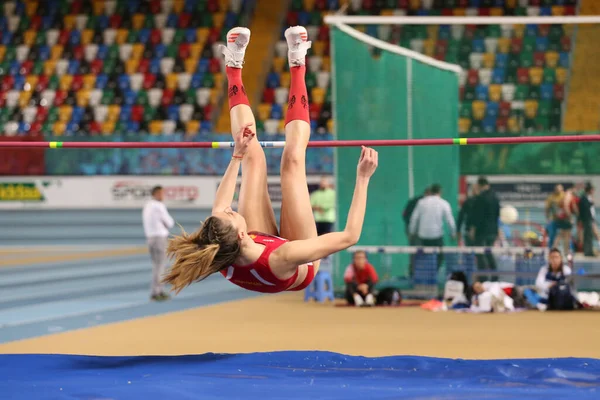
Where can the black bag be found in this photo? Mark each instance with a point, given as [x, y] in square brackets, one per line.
[389, 297]
[560, 297]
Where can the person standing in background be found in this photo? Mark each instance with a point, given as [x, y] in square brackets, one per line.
[408, 212]
[485, 215]
[157, 223]
[587, 216]
[552, 208]
[322, 201]
[465, 215]
[427, 220]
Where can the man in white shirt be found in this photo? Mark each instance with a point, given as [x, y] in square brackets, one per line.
[157, 223]
[427, 220]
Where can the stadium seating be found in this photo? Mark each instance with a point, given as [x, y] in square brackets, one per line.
[103, 67]
[514, 75]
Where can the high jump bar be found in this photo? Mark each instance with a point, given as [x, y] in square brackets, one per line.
[326, 143]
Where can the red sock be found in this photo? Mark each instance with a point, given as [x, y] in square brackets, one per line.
[236, 90]
[298, 98]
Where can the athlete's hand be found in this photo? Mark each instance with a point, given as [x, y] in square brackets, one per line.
[242, 140]
[367, 164]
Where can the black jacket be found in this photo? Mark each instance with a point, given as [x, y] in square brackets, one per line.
[465, 215]
[585, 209]
[485, 214]
[409, 209]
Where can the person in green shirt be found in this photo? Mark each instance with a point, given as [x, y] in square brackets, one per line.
[322, 201]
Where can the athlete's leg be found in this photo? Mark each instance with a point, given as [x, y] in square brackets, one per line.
[297, 220]
[254, 203]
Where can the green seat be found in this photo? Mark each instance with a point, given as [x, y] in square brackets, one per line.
[142, 98]
[315, 18]
[190, 96]
[206, 20]
[171, 50]
[40, 38]
[556, 33]
[149, 22]
[11, 53]
[121, 7]
[201, 5]
[529, 124]
[534, 92]
[4, 115]
[480, 32]
[109, 66]
[113, 52]
[53, 82]
[526, 59]
[64, 7]
[556, 107]
[542, 123]
[514, 60]
[529, 44]
[208, 81]
[421, 32]
[120, 128]
[297, 5]
[149, 113]
[545, 108]
[329, 96]
[260, 126]
[390, 4]
[38, 68]
[107, 97]
[24, 23]
[547, 3]
[511, 75]
[549, 75]
[47, 127]
[554, 46]
[449, 3]
[521, 92]
[4, 65]
[493, 31]
[452, 57]
[179, 36]
[405, 41]
[91, 22]
[554, 123]
[521, 11]
[311, 81]
[469, 94]
[475, 127]
[465, 109]
[132, 36]
[52, 115]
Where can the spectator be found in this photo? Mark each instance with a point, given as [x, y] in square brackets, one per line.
[465, 215]
[553, 284]
[562, 212]
[157, 223]
[491, 297]
[553, 207]
[408, 212]
[587, 217]
[360, 278]
[427, 220]
[485, 214]
[322, 201]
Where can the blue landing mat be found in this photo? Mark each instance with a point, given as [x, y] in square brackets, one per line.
[293, 375]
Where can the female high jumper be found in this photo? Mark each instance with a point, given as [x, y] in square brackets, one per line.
[246, 247]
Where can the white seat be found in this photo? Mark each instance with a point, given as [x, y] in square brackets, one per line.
[47, 97]
[281, 95]
[61, 67]
[485, 76]
[417, 45]
[110, 6]
[12, 98]
[125, 51]
[399, 12]
[517, 105]
[508, 92]
[427, 4]
[355, 5]
[457, 31]
[383, 32]
[183, 81]
[281, 48]
[29, 114]
[533, 11]
[160, 20]
[136, 81]
[475, 59]
[523, 3]
[313, 32]
[166, 65]
[472, 12]
[323, 79]
[95, 97]
[90, 52]
[13, 23]
[314, 63]
[215, 49]
[22, 53]
[167, 35]
[271, 126]
[235, 5]
[154, 96]
[203, 96]
[507, 30]
[100, 113]
[169, 127]
[185, 112]
[51, 37]
[109, 36]
[491, 44]
[81, 21]
[11, 128]
[9, 8]
[166, 6]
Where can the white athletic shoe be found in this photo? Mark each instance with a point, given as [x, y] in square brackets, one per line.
[237, 41]
[298, 45]
[370, 300]
[358, 301]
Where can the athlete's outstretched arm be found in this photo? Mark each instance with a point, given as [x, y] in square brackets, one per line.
[304, 251]
[226, 189]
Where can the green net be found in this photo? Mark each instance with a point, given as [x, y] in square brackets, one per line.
[384, 95]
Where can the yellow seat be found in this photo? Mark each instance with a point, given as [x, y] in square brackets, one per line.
[31, 8]
[114, 111]
[30, 82]
[284, 79]
[224, 4]
[59, 128]
[518, 30]
[178, 6]
[121, 36]
[281, 126]
[56, 51]
[511, 3]
[190, 65]
[2, 52]
[561, 75]
[215, 94]
[65, 82]
[29, 37]
[429, 47]
[202, 35]
[218, 19]
[489, 60]
[535, 75]
[278, 64]
[98, 7]
[64, 113]
[49, 67]
[478, 108]
[131, 66]
[87, 36]
[83, 97]
[171, 81]
[503, 45]
[318, 95]
[415, 4]
[192, 127]
[388, 13]
[459, 12]
[552, 59]
[495, 92]
[318, 48]
[138, 21]
[432, 31]
[558, 11]
[195, 51]
[309, 5]
[531, 108]
[330, 125]
[496, 11]
[108, 128]
[69, 21]
[326, 65]
[155, 127]
[24, 98]
[464, 124]
[137, 51]
[264, 111]
[513, 125]
[89, 81]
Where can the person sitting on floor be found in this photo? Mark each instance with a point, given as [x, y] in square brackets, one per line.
[553, 284]
[360, 278]
[491, 297]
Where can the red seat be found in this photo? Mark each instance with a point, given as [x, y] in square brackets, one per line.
[504, 109]
[184, 51]
[484, 12]
[77, 83]
[403, 4]
[36, 23]
[63, 37]
[144, 66]
[184, 20]
[78, 52]
[461, 93]
[213, 36]
[36, 127]
[534, 3]
[559, 91]
[539, 59]
[523, 76]
[367, 4]
[149, 80]
[76, 7]
[167, 97]
[447, 12]
[213, 6]
[26, 67]
[321, 5]
[96, 67]
[61, 96]
[137, 113]
[440, 56]
[565, 43]
[543, 30]
[42, 114]
[115, 21]
[501, 124]
[473, 77]
[155, 37]
[469, 32]
[7, 82]
[269, 96]
[155, 7]
[441, 46]
[516, 45]
[463, 3]
[2, 99]
[323, 33]
[326, 48]
[214, 66]
[95, 128]
[208, 111]
[315, 111]
[570, 10]
[292, 18]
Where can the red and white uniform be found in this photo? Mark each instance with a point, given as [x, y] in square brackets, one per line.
[258, 276]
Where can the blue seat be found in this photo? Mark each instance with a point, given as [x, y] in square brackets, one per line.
[101, 81]
[133, 126]
[3, 24]
[371, 30]
[531, 30]
[19, 82]
[102, 52]
[6, 37]
[422, 12]
[132, 6]
[129, 97]
[481, 92]
[501, 60]
[190, 35]
[478, 46]
[230, 19]
[489, 124]
[321, 288]
[172, 21]
[196, 82]
[154, 67]
[203, 65]
[425, 268]
[77, 114]
[125, 114]
[276, 111]
[102, 22]
[492, 109]
[160, 50]
[541, 43]
[333, 4]
[546, 91]
[123, 82]
[43, 53]
[23, 127]
[73, 67]
[47, 22]
[273, 80]
[189, 6]
[173, 112]
[444, 32]
[498, 75]
[71, 128]
[545, 11]
[303, 18]
[75, 37]
[206, 126]
[14, 68]
[144, 35]
[19, 8]
[474, 3]
[563, 59]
